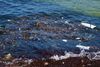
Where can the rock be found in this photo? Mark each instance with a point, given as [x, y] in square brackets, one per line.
[40, 25]
[8, 57]
[26, 35]
[2, 32]
[2, 29]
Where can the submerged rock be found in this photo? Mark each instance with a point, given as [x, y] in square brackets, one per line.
[3, 29]
[2, 32]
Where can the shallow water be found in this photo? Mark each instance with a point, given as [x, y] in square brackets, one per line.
[22, 39]
[90, 7]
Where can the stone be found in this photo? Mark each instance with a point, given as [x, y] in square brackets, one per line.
[7, 57]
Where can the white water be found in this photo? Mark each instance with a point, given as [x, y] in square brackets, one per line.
[83, 47]
[83, 53]
[88, 25]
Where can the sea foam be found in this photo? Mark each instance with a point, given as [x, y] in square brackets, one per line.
[83, 53]
[88, 25]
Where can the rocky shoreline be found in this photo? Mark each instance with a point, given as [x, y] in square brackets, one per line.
[70, 62]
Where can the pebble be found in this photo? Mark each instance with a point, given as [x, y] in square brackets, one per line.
[83, 65]
[89, 64]
[63, 62]
[82, 61]
[46, 63]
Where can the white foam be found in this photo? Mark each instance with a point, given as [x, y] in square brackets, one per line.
[62, 17]
[29, 61]
[97, 56]
[66, 22]
[83, 47]
[64, 40]
[8, 20]
[56, 57]
[88, 25]
[78, 38]
[19, 29]
[83, 53]
[67, 55]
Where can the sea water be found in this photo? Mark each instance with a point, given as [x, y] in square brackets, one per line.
[18, 14]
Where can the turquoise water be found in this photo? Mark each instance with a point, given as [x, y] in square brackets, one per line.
[90, 7]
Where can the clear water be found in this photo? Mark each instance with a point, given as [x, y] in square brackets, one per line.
[25, 13]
